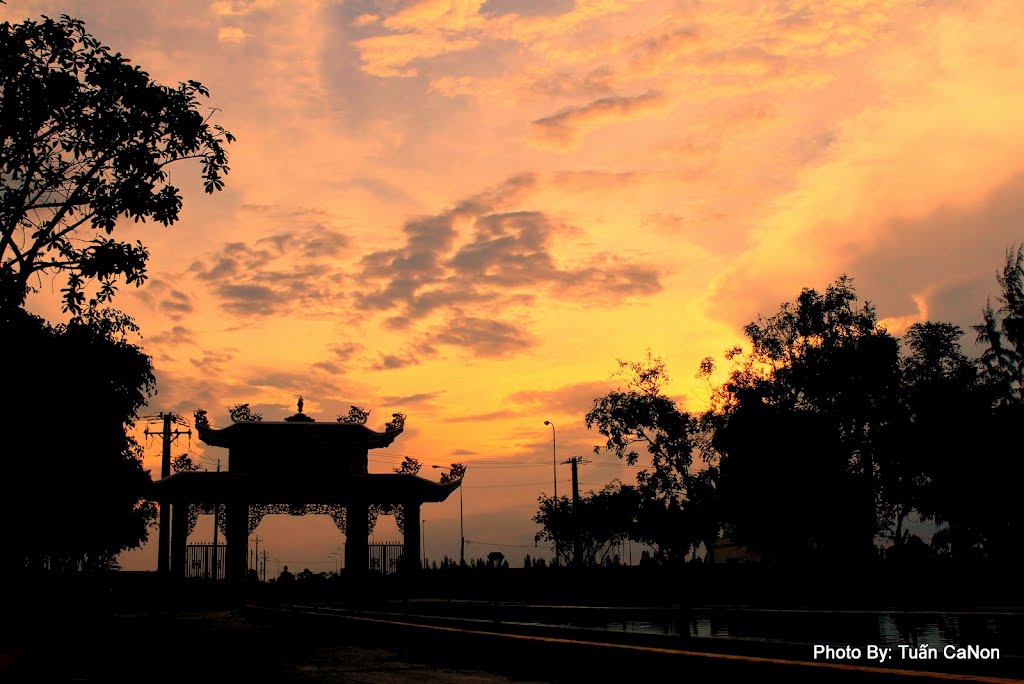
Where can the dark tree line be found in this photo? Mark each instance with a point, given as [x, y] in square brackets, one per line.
[75, 493]
[86, 139]
[825, 438]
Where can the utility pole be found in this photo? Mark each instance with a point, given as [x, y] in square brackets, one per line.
[462, 529]
[554, 474]
[256, 565]
[574, 462]
[265, 554]
[577, 548]
[577, 543]
[163, 562]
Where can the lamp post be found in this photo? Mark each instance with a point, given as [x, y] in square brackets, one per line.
[462, 530]
[554, 471]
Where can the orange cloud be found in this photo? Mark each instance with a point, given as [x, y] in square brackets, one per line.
[239, 8]
[391, 55]
[231, 34]
[565, 127]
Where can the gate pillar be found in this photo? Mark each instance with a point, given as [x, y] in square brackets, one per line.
[357, 537]
[237, 528]
[411, 554]
[179, 536]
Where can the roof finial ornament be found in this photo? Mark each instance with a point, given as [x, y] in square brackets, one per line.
[300, 417]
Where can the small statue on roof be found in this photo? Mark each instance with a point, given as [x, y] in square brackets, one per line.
[299, 417]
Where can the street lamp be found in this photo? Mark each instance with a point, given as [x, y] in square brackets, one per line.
[554, 471]
[462, 531]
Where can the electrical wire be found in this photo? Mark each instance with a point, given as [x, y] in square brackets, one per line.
[506, 465]
[523, 484]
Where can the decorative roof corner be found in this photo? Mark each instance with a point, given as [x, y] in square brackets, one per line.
[207, 433]
[396, 425]
[357, 415]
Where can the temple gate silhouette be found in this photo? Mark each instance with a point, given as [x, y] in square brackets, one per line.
[296, 466]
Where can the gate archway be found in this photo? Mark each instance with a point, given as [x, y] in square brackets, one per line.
[327, 474]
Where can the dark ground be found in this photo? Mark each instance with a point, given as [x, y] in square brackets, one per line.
[213, 646]
[237, 646]
[138, 630]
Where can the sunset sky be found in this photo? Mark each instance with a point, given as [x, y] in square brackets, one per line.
[468, 211]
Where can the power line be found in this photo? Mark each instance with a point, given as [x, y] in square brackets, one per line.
[474, 466]
[520, 484]
[496, 465]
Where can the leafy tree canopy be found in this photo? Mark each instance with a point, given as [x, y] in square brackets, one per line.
[1002, 333]
[676, 502]
[183, 463]
[602, 520]
[821, 353]
[642, 414]
[86, 140]
[804, 411]
[80, 484]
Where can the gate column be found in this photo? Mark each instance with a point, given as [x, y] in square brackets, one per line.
[179, 536]
[411, 554]
[237, 528]
[357, 537]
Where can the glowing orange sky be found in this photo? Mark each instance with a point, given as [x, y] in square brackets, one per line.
[468, 211]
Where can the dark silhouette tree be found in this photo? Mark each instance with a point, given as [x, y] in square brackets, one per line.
[183, 463]
[821, 384]
[943, 410]
[671, 520]
[992, 517]
[602, 520]
[1002, 333]
[786, 491]
[86, 140]
[76, 489]
[957, 457]
[956, 460]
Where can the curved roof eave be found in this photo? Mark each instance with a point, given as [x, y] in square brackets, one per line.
[357, 434]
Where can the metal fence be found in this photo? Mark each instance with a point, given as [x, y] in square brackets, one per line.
[205, 561]
[386, 557]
